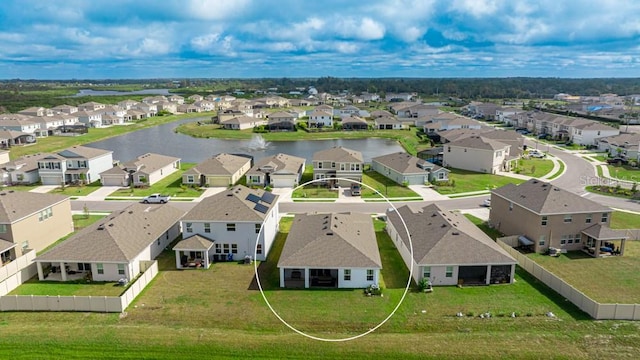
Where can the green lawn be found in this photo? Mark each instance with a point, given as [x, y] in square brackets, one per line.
[19, 187]
[467, 181]
[625, 220]
[385, 186]
[534, 167]
[608, 280]
[624, 173]
[77, 190]
[315, 191]
[69, 288]
[170, 185]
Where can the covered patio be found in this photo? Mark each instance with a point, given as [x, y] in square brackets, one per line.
[194, 252]
[602, 241]
[62, 271]
[7, 252]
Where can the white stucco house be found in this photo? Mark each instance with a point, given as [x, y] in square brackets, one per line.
[479, 154]
[77, 163]
[278, 171]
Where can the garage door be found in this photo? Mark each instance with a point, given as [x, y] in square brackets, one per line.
[112, 180]
[215, 181]
[51, 180]
[282, 182]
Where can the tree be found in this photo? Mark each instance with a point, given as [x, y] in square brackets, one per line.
[85, 211]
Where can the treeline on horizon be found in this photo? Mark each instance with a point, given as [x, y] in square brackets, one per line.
[53, 92]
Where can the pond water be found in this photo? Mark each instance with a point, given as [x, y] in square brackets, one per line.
[164, 140]
[89, 92]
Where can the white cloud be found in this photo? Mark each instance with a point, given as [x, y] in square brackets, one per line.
[475, 8]
[214, 44]
[363, 29]
[216, 9]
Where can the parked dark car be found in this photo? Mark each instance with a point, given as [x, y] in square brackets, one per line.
[617, 161]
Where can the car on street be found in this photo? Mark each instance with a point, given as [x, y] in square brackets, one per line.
[534, 153]
[156, 199]
[486, 203]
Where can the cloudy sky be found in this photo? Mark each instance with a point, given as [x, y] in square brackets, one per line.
[44, 39]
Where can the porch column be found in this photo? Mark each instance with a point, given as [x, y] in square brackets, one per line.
[306, 278]
[40, 272]
[487, 281]
[63, 272]
[178, 265]
[622, 241]
[281, 277]
[513, 273]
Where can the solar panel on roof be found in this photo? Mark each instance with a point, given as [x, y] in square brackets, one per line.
[261, 208]
[268, 197]
[253, 198]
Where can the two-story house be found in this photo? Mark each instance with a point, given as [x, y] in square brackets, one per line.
[547, 216]
[74, 164]
[479, 154]
[231, 225]
[337, 162]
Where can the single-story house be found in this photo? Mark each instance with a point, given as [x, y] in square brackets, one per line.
[242, 122]
[113, 248]
[23, 170]
[389, 123]
[221, 170]
[330, 250]
[404, 168]
[354, 123]
[146, 170]
[448, 249]
[278, 171]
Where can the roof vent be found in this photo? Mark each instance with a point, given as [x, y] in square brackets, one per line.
[455, 233]
[101, 227]
[111, 225]
[443, 225]
[330, 233]
[556, 189]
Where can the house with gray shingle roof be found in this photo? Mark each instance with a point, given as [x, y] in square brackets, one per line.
[145, 170]
[354, 123]
[406, 169]
[321, 118]
[477, 153]
[74, 164]
[241, 222]
[220, 170]
[278, 171]
[336, 250]
[23, 170]
[114, 247]
[242, 122]
[448, 249]
[389, 123]
[31, 221]
[338, 162]
[545, 216]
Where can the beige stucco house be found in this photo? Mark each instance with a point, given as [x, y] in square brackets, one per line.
[477, 153]
[278, 171]
[221, 170]
[145, 170]
[338, 162]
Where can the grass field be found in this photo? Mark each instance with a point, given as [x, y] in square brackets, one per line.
[467, 181]
[77, 190]
[170, 185]
[385, 186]
[217, 313]
[624, 173]
[625, 220]
[534, 167]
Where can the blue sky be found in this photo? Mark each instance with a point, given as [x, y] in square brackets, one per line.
[98, 39]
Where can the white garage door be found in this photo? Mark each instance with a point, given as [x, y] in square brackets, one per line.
[51, 180]
[112, 181]
[282, 182]
[218, 181]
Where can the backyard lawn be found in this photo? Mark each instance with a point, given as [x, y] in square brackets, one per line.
[69, 288]
[467, 181]
[534, 167]
[170, 185]
[625, 220]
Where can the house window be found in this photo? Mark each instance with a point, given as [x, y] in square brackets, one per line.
[369, 275]
[100, 268]
[426, 272]
[333, 165]
[347, 275]
[225, 248]
[189, 227]
[234, 248]
[544, 221]
[605, 217]
[541, 241]
[563, 239]
[319, 164]
[449, 271]
[440, 176]
[567, 218]
[218, 248]
[231, 227]
[190, 178]
[207, 227]
[84, 266]
[259, 249]
[576, 238]
[120, 269]
[158, 243]
[448, 148]
[254, 179]
[588, 219]
[3, 228]
[343, 167]
[258, 227]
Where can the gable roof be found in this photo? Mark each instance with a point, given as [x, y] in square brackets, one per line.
[85, 152]
[543, 198]
[232, 204]
[331, 240]
[195, 242]
[405, 163]
[478, 143]
[278, 164]
[151, 162]
[442, 237]
[338, 154]
[120, 237]
[220, 164]
[15, 205]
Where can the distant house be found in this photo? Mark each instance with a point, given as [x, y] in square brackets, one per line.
[623, 144]
[9, 138]
[508, 137]
[22, 125]
[330, 251]
[479, 154]
[588, 134]
[404, 168]
[31, 221]
[320, 118]
[281, 121]
[547, 216]
[239, 221]
[448, 249]
[349, 110]
[354, 123]
[145, 170]
[115, 247]
[242, 122]
[91, 106]
[389, 123]
[278, 171]
[220, 170]
[90, 118]
[338, 162]
[74, 164]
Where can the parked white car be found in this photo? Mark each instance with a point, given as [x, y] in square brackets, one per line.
[536, 154]
[156, 199]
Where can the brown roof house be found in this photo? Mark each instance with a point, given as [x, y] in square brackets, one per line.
[546, 216]
[115, 247]
[221, 170]
[338, 162]
[145, 170]
[278, 171]
[31, 221]
[337, 250]
[406, 169]
[235, 224]
[448, 249]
